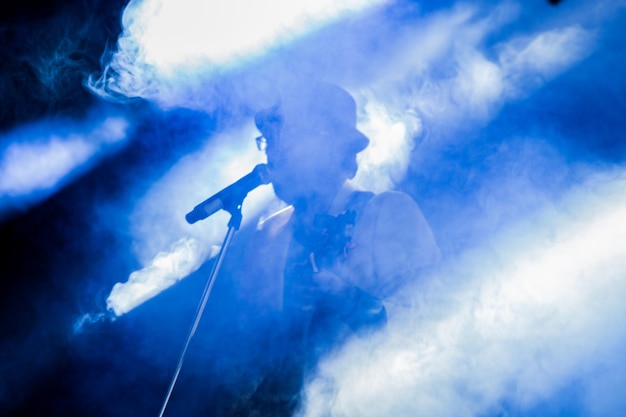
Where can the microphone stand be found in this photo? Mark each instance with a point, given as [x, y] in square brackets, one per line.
[233, 206]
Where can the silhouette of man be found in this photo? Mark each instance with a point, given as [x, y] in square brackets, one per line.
[325, 267]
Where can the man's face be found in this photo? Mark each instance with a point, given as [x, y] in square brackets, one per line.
[304, 165]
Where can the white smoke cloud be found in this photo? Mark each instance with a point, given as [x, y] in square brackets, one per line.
[40, 158]
[527, 62]
[183, 257]
[27, 167]
[386, 160]
[513, 321]
[446, 72]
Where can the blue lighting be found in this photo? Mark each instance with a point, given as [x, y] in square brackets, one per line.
[504, 122]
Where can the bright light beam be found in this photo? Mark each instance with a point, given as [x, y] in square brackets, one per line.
[42, 157]
[528, 313]
[164, 40]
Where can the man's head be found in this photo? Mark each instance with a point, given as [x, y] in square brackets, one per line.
[311, 141]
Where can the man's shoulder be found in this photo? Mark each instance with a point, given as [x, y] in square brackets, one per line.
[392, 201]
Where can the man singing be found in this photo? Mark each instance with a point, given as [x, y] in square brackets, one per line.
[327, 266]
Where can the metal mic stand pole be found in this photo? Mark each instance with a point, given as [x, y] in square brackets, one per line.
[233, 225]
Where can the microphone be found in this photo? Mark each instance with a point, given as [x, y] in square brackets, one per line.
[234, 193]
